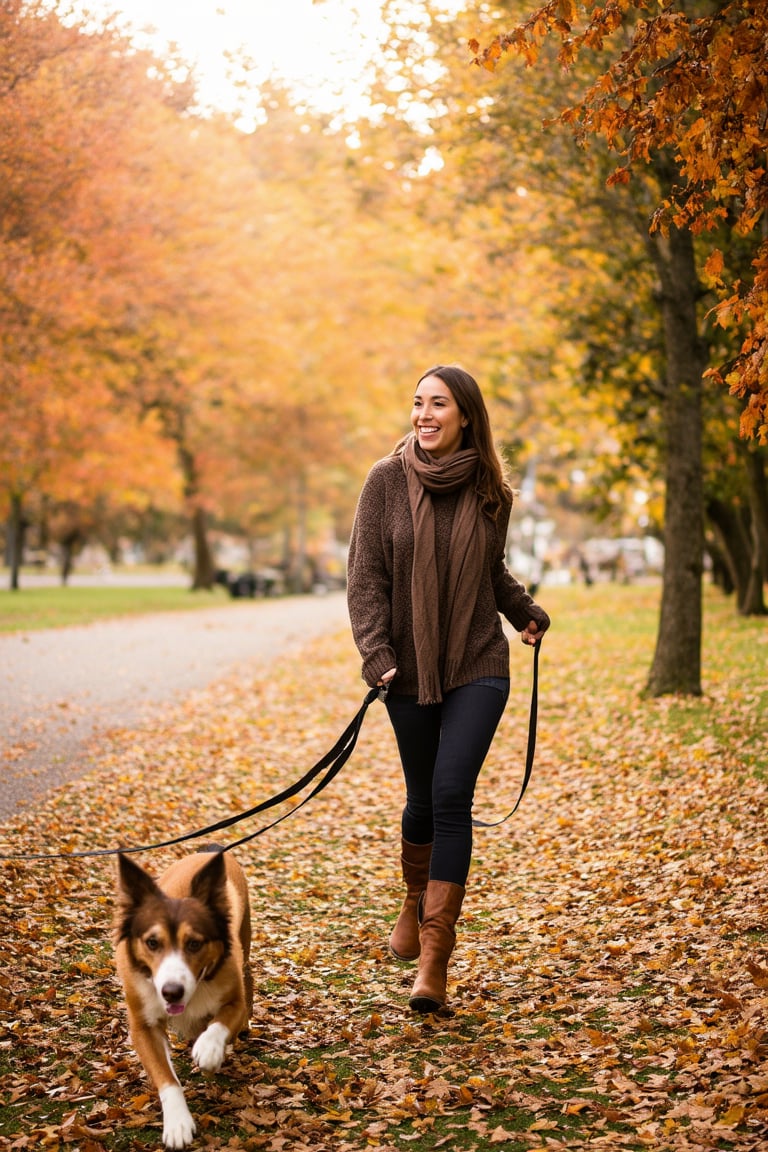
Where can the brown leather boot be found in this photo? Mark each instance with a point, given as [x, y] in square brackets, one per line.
[441, 906]
[404, 941]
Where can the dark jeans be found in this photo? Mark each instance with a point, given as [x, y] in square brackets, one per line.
[442, 748]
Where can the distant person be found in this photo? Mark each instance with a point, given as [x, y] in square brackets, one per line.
[426, 582]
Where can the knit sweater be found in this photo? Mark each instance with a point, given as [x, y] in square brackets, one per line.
[379, 586]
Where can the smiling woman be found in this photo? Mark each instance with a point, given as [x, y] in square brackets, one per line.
[427, 580]
[321, 51]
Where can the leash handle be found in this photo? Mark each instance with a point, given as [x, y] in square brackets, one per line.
[334, 761]
[531, 749]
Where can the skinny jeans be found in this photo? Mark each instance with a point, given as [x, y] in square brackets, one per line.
[442, 748]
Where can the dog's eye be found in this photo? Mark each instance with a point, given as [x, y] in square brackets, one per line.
[193, 945]
[152, 943]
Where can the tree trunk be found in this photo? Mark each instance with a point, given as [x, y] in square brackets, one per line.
[677, 660]
[174, 421]
[204, 573]
[754, 602]
[68, 548]
[15, 539]
[733, 544]
[721, 573]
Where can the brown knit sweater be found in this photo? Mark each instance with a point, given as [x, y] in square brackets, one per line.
[379, 586]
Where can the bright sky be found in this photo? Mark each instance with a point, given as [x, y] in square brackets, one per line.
[322, 49]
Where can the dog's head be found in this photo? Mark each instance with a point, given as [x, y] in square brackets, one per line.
[175, 942]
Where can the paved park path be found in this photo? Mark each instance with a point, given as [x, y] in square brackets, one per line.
[63, 690]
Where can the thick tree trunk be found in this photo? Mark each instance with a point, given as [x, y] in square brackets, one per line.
[677, 660]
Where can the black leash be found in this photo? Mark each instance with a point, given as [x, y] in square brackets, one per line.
[331, 764]
[531, 745]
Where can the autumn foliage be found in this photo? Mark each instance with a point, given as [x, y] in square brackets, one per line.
[205, 325]
[689, 80]
[187, 326]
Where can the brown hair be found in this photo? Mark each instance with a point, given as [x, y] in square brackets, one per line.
[492, 486]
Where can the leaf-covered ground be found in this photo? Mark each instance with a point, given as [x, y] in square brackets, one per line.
[610, 982]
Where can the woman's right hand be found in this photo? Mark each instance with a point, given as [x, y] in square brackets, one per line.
[388, 675]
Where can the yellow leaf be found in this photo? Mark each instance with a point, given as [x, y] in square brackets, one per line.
[733, 1116]
[575, 1107]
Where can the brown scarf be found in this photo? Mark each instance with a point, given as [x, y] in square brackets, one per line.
[467, 549]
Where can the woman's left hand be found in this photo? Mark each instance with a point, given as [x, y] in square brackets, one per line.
[534, 631]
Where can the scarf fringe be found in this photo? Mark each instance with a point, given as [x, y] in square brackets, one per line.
[429, 690]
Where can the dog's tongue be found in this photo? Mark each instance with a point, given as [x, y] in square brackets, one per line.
[174, 1009]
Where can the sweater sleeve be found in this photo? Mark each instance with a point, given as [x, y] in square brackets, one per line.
[512, 600]
[369, 581]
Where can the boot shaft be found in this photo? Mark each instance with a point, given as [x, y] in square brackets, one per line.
[440, 909]
[415, 860]
[404, 941]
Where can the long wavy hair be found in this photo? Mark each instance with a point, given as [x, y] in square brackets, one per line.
[493, 489]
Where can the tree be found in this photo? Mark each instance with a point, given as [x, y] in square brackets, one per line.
[691, 82]
[167, 279]
[67, 99]
[686, 99]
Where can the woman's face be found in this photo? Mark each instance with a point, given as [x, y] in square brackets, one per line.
[436, 418]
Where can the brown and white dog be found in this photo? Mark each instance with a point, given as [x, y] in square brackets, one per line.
[182, 956]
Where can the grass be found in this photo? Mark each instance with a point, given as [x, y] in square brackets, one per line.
[617, 626]
[32, 609]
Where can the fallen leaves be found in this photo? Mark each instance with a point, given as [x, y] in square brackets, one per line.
[610, 982]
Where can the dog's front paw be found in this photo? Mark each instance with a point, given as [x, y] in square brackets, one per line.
[210, 1048]
[178, 1125]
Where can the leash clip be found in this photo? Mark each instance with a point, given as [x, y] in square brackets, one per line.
[384, 690]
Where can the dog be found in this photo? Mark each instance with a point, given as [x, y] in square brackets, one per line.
[182, 953]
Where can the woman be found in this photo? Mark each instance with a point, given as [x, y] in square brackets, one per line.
[426, 582]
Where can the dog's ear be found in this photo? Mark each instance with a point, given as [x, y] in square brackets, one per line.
[208, 885]
[134, 884]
